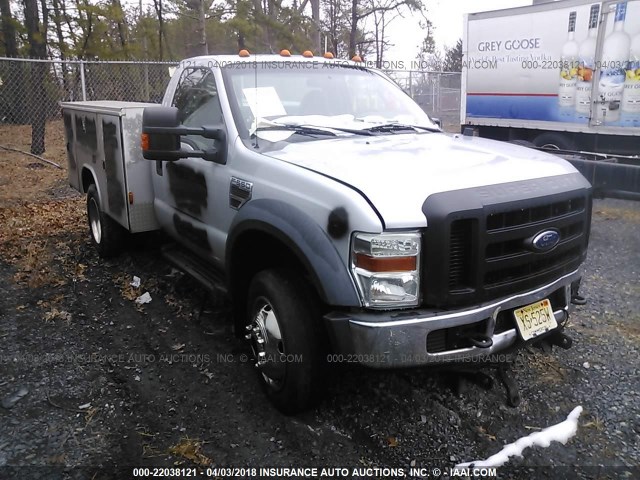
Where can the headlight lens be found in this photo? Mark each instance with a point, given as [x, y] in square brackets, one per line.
[387, 268]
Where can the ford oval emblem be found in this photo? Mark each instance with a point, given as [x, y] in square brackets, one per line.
[545, 241]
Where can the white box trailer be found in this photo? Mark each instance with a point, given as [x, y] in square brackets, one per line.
[562, 75]
[103, 140]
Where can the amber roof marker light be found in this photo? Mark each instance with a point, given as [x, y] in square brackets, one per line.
[285, 53]
[243, 53]
[328, 55]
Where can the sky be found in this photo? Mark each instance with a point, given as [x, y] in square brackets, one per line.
[446, 16]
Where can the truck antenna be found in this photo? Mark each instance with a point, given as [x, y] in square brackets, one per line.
[255, 85]
[255, 97]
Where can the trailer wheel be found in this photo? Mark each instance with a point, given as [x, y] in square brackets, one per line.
[287, 339]
[107, 235]
[554, 141]
[523, 143]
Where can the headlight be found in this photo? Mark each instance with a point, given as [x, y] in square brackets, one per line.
[387, 268]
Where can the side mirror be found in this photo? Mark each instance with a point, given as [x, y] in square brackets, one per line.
[161, 132]
[437, 121]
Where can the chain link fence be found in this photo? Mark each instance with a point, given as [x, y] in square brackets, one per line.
[438, 93]
[53, 81]
[30, 90]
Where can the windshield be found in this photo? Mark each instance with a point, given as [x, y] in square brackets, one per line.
[315, 95]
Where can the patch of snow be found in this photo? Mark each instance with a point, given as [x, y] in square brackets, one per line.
[560, 432]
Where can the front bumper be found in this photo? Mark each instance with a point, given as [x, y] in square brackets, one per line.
[399, 338]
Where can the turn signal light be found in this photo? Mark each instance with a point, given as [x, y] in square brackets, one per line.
[385, 264]
[144, 141]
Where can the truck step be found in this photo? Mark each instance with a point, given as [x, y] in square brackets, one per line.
[204, 272]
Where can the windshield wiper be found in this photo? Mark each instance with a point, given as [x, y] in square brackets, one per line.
[365, 132]
[299, 129]
[395, 127]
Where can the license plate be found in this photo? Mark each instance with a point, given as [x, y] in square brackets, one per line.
[535, 319]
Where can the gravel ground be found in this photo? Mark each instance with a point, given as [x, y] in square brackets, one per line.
[90, 379]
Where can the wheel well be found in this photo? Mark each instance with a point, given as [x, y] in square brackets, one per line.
[254, 251]
[87, 179]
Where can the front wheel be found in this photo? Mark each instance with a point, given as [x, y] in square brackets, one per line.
[107, 235]
[287, 339]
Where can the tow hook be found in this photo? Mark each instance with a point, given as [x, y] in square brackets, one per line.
[561, 340]
[479, 340]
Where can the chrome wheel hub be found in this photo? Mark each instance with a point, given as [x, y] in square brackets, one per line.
[266, 342]
[94, 220]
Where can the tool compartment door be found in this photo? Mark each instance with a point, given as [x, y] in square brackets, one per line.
[73, 173]
[113, 193]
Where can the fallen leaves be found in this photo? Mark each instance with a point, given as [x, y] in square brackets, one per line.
[595, 423]
[41, 220]
[128, 291]
[483, 431]
[60, 459]
[37, 238]
[55, 314]
[91, 413]
[614, 213]
[191, 450]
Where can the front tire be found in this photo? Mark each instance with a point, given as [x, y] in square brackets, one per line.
[287, 339]
[106, 234]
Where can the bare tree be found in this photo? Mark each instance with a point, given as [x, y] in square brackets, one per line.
[8, 29]
[315, 19]
[198, 6]
[157, 5]
[381, 20]
[120, 19]
[37, 37]
[375, 7]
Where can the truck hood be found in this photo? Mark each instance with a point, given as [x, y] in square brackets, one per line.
[398, 172]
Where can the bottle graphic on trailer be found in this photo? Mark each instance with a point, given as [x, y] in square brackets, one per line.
[631, 94]
[569, 66]
[587, 63]
[615, 55]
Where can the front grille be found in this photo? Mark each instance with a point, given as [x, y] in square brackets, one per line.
[486, 253]
[526, 216]
[460, 256]
[508, 259]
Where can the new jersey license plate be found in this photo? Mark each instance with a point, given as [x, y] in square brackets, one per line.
[535, 319]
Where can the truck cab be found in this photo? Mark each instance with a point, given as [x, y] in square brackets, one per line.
[345, 225]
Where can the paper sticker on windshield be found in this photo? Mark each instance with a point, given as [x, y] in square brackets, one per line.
[264, 102]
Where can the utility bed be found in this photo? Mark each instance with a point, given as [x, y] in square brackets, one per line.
[104, 137]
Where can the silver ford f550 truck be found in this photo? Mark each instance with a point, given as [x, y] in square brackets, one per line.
[336, 213]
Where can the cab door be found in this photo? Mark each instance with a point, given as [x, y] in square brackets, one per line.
[187, 192]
